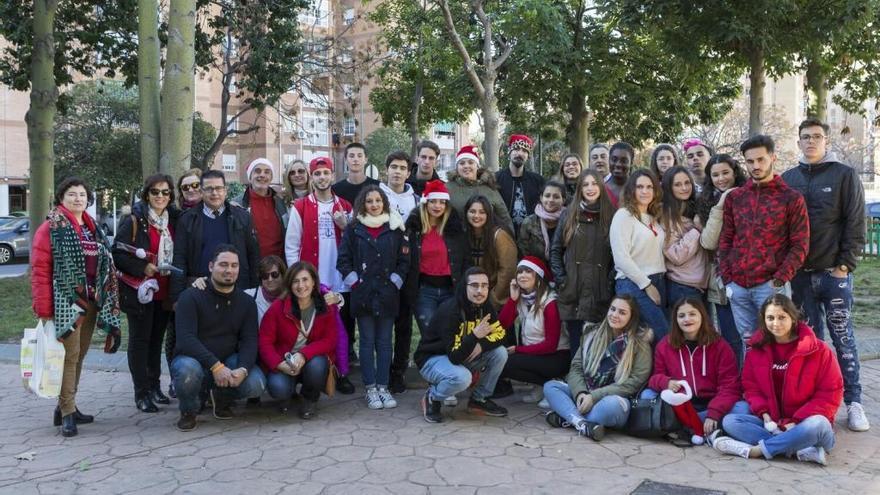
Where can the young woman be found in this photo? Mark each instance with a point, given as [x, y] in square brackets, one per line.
[272, 269]
[569, 171]
[692, 352]
[68, 250]
[491, 247]
[637, 241]
[438, 252]
[374, 255]
[541, 350]
[580, 257]
[687, 264]
[663, 158]
[723, 174]
[189, 185]
[296, 339]
[537, 230]
[794, 387]
[149, 227]
[470, 179]
[297, 184]
[613, 363]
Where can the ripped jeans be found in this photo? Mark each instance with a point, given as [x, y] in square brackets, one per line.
[828, 301]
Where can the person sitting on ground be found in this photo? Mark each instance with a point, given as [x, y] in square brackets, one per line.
[216, 343]
[613, 363]
[794, 388]
[463, 339]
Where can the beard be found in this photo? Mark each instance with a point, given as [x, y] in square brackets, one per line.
[222, 283]
[518, 162]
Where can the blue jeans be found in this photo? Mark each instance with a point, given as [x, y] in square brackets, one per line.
[611, 411]
[676, 291]
[727, 326]
[652, 315]
[192, 383]
[746, 304]
[375, 349]
[827, 302]
[447, 379]
[740, 407]
[814, 431]
[313, 377]
[428, 301]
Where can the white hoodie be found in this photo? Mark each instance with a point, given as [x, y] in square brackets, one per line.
[403, 202]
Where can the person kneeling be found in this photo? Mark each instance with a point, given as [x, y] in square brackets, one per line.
[463, 339]
[794, 387]
[216, 345]
[612, 364]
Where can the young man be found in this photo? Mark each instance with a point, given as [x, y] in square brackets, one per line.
[599, 159]
[403, 200]
[349, 188]
[216, 345]
[764, 238]
[823, 288]
[313, 234]
[464, 337]
[202, 228]
[621, 159]
[423, 170]
[697, 155]
[266, 207]
[520, 189]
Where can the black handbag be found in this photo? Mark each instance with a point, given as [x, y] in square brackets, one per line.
[651, 418]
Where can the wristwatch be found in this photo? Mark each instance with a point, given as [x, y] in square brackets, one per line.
[843, 268]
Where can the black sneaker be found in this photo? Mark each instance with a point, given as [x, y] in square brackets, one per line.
[187, 422]
[594, 431]
[503, 388]
[431, 408]
[398, 383]
[486, 407]
[307, 408]
[221, 411]
[344, 385]
[555, 420]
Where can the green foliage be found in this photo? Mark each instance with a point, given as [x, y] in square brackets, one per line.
[234, 189]
[383, 141]
[204, 135]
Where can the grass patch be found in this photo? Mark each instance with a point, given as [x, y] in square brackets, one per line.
[866, 311]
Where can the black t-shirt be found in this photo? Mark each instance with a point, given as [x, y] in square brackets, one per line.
[348, 191]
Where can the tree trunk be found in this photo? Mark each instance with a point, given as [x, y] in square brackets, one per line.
[491, 125]
[817, 83]
[178, 96]
[148, 84]
[756, 91]
[577, 133]
[40, 117]
[414, 119]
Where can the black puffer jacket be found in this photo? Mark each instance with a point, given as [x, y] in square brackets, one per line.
[836, 206]
[457, 249]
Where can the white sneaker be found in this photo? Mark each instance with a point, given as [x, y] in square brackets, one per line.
[373, 399]
[812, 454]
[855, 417]
[450, 401]
[535, 395]
[388, 401]
[544, 404]
[727, 445]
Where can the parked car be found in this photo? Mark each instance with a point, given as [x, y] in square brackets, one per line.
[15, 240]
[872, 210]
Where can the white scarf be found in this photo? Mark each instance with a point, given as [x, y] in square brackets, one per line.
[165, 252]
[393, 220]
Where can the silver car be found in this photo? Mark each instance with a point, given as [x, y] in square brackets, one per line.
[15, 239]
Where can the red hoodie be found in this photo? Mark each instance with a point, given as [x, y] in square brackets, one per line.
[279, 330]
[813, 382]
[710, 370]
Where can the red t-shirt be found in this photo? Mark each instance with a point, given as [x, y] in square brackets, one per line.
[266, 224]
[781, 355]
[375, 231]
[434, 257]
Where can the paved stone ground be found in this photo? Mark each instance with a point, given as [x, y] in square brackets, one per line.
[349, 449]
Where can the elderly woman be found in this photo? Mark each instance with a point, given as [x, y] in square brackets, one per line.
[73, 283]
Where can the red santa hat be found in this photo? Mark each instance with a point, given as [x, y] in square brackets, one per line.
[519, 142]
[468, 151]
[684, 410]
[259, 161]
[320, 162]
[434, 189]
[534, 264]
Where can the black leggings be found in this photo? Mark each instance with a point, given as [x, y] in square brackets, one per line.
[145, 334]
[403, 330]
[537, 369]
[347, 320]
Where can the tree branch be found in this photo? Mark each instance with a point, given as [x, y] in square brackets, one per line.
[469, 68]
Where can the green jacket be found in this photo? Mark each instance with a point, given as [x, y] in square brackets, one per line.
[461, 190]
[628, 388]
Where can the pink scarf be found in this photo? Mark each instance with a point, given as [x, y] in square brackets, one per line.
[545, 216]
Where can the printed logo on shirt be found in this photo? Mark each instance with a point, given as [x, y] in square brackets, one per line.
[780, 366]
[325, 225]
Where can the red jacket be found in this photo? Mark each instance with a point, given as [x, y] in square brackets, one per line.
[279, 330]
[301, 239]
[710, 370]
[42, 264]
[813, 382]
[765, 234]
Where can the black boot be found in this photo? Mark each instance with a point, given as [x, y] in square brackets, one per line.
[158, 397]
[144, 402]
[80, 418]
[344, 385]
[503, 388]
[68, 426]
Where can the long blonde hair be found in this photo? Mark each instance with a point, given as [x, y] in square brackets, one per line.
[288, 187]
[426, 218]
[596, 342]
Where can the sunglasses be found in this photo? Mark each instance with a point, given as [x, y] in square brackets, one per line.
[187, 187]
[273, 275]
[299, 171]
[158, 192]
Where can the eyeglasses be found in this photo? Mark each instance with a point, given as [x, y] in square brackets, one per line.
[299, 171]
[812, 137]
[187, 187]
[213, 189]
[273, 275]
[157, 192]
[476, 286]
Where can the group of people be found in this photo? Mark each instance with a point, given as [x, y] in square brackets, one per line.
[605, 283]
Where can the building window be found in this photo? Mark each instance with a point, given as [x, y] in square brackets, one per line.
[233, 88]
[317, 14]
[317, 130]
[233, 126]
[288, 122]
[229, 162]
[349, 16]
[349, 126]
[288, 159]
[348, 91]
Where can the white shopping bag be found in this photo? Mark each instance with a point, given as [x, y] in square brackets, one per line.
[28, 349]
[48, 367]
